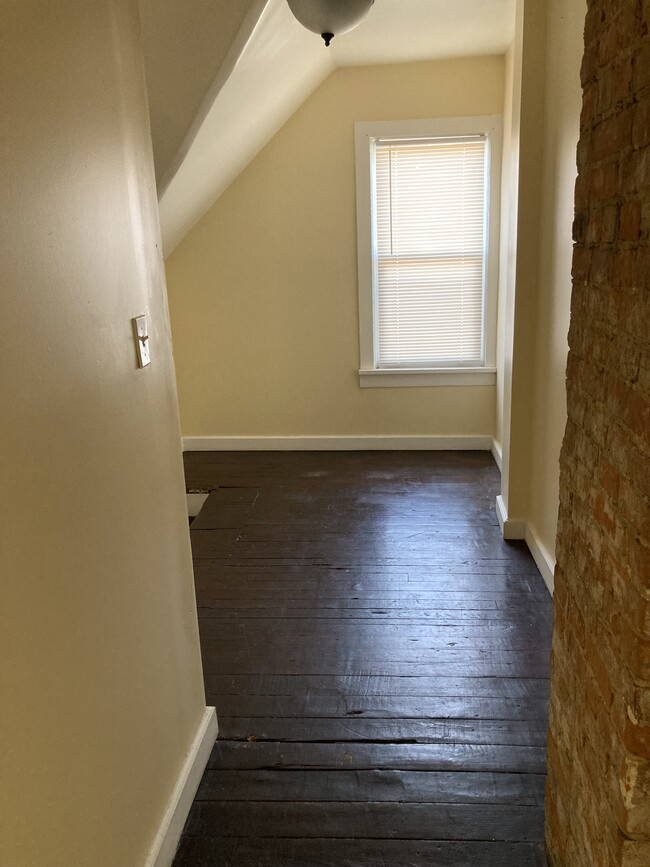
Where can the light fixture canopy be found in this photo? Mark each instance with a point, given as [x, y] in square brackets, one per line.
[329, 17]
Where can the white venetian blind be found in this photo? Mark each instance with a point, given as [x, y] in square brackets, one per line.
[430, 251]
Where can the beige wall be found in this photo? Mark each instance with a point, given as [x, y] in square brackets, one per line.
[521, 283]
[534, 310]
[100, 681]
[563, 99]
[507, 237]
[263, 291]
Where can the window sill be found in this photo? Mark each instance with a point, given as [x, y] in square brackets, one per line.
[427, 377]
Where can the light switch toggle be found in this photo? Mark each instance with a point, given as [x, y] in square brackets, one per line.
[141, 332]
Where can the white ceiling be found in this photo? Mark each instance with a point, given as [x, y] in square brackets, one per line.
[399, 31]
[273, 66]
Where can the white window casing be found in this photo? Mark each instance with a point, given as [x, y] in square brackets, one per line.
[427, 227]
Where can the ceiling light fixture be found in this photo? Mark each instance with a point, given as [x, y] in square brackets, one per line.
[329, 17]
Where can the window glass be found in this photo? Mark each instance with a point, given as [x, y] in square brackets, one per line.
[429, 251]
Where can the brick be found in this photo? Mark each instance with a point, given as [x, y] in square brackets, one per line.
[633, 853]
[634, 807]
[635, 173]
[624, 269]
[640, 562]
[622, 85]
[635, 411]
[601, 266]
[607, 44]
[639, 608]
[614, 134]
[636, 739]
[580, 226]
[641, 124]
[639, 711]
[605, 181]
[601, 674]
[641, 68]
[588, 67]
[603, 225]
[610, 480]
[591, 98]
[630, 221]
[581, 263]
[604, 87]
[593, 23]
[627, 456]
[598, 794]
[634, 308]
[634, 507]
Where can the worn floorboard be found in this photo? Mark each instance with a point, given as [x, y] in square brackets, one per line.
[378, 658]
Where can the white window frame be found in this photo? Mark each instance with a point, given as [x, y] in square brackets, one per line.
[370, 375]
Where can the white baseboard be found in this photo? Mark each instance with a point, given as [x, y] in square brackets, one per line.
[542, 557]
[169, 833]
[495, 448]
[338, 443]
[519, 529]
[510, 528]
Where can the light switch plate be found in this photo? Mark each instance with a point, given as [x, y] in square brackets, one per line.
[141, 333]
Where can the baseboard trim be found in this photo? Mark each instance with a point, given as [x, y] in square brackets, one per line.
[338, 443]
[510, 528]
[169, 833]
[519, 529]
[495, 448]
[542, 556]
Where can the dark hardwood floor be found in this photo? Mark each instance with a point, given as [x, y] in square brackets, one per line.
[378, 657]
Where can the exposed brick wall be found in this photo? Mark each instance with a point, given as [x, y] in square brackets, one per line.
[598, 798]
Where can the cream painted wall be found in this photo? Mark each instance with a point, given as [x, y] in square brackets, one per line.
[521, 279]
[263, 290]
[534, 310]
[100, 680]
[509, 171]
[563, 99]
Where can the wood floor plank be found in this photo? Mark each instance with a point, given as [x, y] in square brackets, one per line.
[213, 570]
[363, 685]
[390, 731]
[376, 660]
[496, 634]
[211, 543]
[250, 852]
[381, 755]
[379, 659]
[393, 707]
[345, 588]
[367, 820]
[377, 786]
[398, 599]
[450, 610]
[351, 551]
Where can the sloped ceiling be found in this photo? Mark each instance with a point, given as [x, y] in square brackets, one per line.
[185, 43]
[223, 77]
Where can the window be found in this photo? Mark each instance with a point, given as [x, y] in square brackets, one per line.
[427, 213]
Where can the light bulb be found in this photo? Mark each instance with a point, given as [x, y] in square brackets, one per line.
[329, 17]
